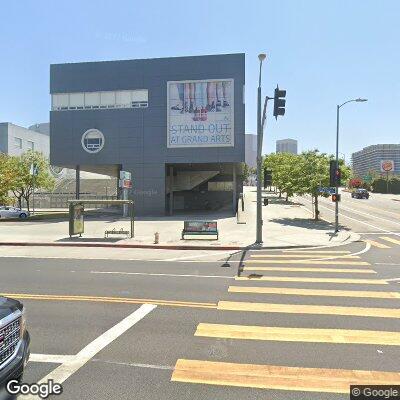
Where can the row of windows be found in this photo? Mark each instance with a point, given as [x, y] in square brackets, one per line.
[18, 144]
[100, 100]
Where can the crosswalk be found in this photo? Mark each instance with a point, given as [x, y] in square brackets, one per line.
[384, 242]
[303, 284]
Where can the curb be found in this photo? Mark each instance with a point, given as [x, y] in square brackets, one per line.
[168, 247]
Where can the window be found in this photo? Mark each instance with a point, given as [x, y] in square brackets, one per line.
[31, 145]
[105, 100]
[18, 142]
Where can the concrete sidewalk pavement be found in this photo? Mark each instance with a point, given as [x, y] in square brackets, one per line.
[285, 225]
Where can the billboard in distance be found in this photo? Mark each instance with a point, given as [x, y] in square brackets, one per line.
[200, 113]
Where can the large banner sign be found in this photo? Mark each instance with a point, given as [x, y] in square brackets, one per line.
[200, 113]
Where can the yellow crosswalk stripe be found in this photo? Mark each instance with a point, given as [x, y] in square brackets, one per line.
[303, 256]
[317, 251]
[313, 292]
[284, 334]
[389, 239]
[295, 269]
[310, 262]
[278, 377]
[314, 280]
[376, 244]
[309, 309]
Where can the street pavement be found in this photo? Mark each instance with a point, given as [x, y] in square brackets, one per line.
[282, 324]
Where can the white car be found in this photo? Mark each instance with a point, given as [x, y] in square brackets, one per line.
[12, 212]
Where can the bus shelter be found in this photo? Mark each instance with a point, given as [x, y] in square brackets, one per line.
[77, 209]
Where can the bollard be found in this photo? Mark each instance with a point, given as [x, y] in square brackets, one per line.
[156, 238]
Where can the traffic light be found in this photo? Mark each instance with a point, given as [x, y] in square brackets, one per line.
[335, 175]
[279, 102]
[267, 178]
[336, 197]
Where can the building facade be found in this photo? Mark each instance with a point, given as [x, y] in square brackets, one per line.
[369, 159]
[251, 150]
[176, 124]
[286, 146]
[16, 140]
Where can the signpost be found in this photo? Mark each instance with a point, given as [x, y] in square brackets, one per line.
[387, 166]
[125, 183]
[34, 171]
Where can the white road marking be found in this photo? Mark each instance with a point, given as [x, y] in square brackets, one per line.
[393, 264]
[198, 256]
[361, 222]
[156, 274]
[393, 280]
[50, 358]
[65, 370]
[139, 365]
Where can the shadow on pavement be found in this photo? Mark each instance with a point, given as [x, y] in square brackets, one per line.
[305, 223]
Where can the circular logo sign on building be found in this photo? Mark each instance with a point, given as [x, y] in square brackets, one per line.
[92, 141]
[387, 165]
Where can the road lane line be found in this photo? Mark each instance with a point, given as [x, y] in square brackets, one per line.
[389, 239]
[287, 334]
[160, 274]
[278, 377]
[65, 370]
[321, 262]
[300, 269]
[313, 292]
[377, 244]
[309, 309]
[318, 251]
[123, 300]
[50, 358]
[359, 221]
[295, 255]
[315, 280]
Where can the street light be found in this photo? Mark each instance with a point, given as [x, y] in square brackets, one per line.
[259, 240]
[338, 107]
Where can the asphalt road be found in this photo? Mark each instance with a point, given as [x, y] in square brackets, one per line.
[264, 324]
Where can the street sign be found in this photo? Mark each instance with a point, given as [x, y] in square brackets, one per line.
[34, 170]
[367, 178]
[125, 184]
[125, 175]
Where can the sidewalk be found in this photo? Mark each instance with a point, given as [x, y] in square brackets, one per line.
[285, 225]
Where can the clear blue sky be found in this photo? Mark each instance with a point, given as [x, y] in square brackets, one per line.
[321, 52]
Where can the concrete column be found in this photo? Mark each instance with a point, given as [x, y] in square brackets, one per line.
[171, 191]
[234, 184]
[77, 181]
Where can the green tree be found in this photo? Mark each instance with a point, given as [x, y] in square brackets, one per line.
[6, 177]
[24, 182]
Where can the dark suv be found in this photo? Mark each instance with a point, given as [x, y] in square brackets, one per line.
[14, 340]
[360, 194]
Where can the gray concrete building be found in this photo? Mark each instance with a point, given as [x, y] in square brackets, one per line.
[369, 159]
[15, 140]
[251, 150]
[286, 146]
[177, 124]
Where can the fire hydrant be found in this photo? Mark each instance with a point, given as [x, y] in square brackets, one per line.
[156, 238]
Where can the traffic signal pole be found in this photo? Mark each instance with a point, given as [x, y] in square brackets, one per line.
[259, 239]
[337, 168]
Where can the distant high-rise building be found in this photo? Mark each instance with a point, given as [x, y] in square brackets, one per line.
[286, 146]
[369, 159]
[251, 150]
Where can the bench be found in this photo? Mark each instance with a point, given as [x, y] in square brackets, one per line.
[208, 228]
[115, 232]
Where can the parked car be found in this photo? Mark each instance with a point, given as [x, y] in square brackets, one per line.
[13, 212]
[360, 194]
[14, 340]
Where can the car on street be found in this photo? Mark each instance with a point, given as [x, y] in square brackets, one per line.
[13, 212]
[14, 340]
[360, 194]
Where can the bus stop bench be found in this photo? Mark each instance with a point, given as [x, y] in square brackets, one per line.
[208, 228]
[115, 232]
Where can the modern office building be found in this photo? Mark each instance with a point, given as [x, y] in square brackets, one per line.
[370, 158]
[15, 140]
[251, 150]
[177, 124]
[286, 146]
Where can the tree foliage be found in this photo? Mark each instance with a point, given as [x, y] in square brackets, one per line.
[22, 181]
[302, 174]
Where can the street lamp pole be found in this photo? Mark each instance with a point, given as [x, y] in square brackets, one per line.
[259, 239]
[338, 107]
